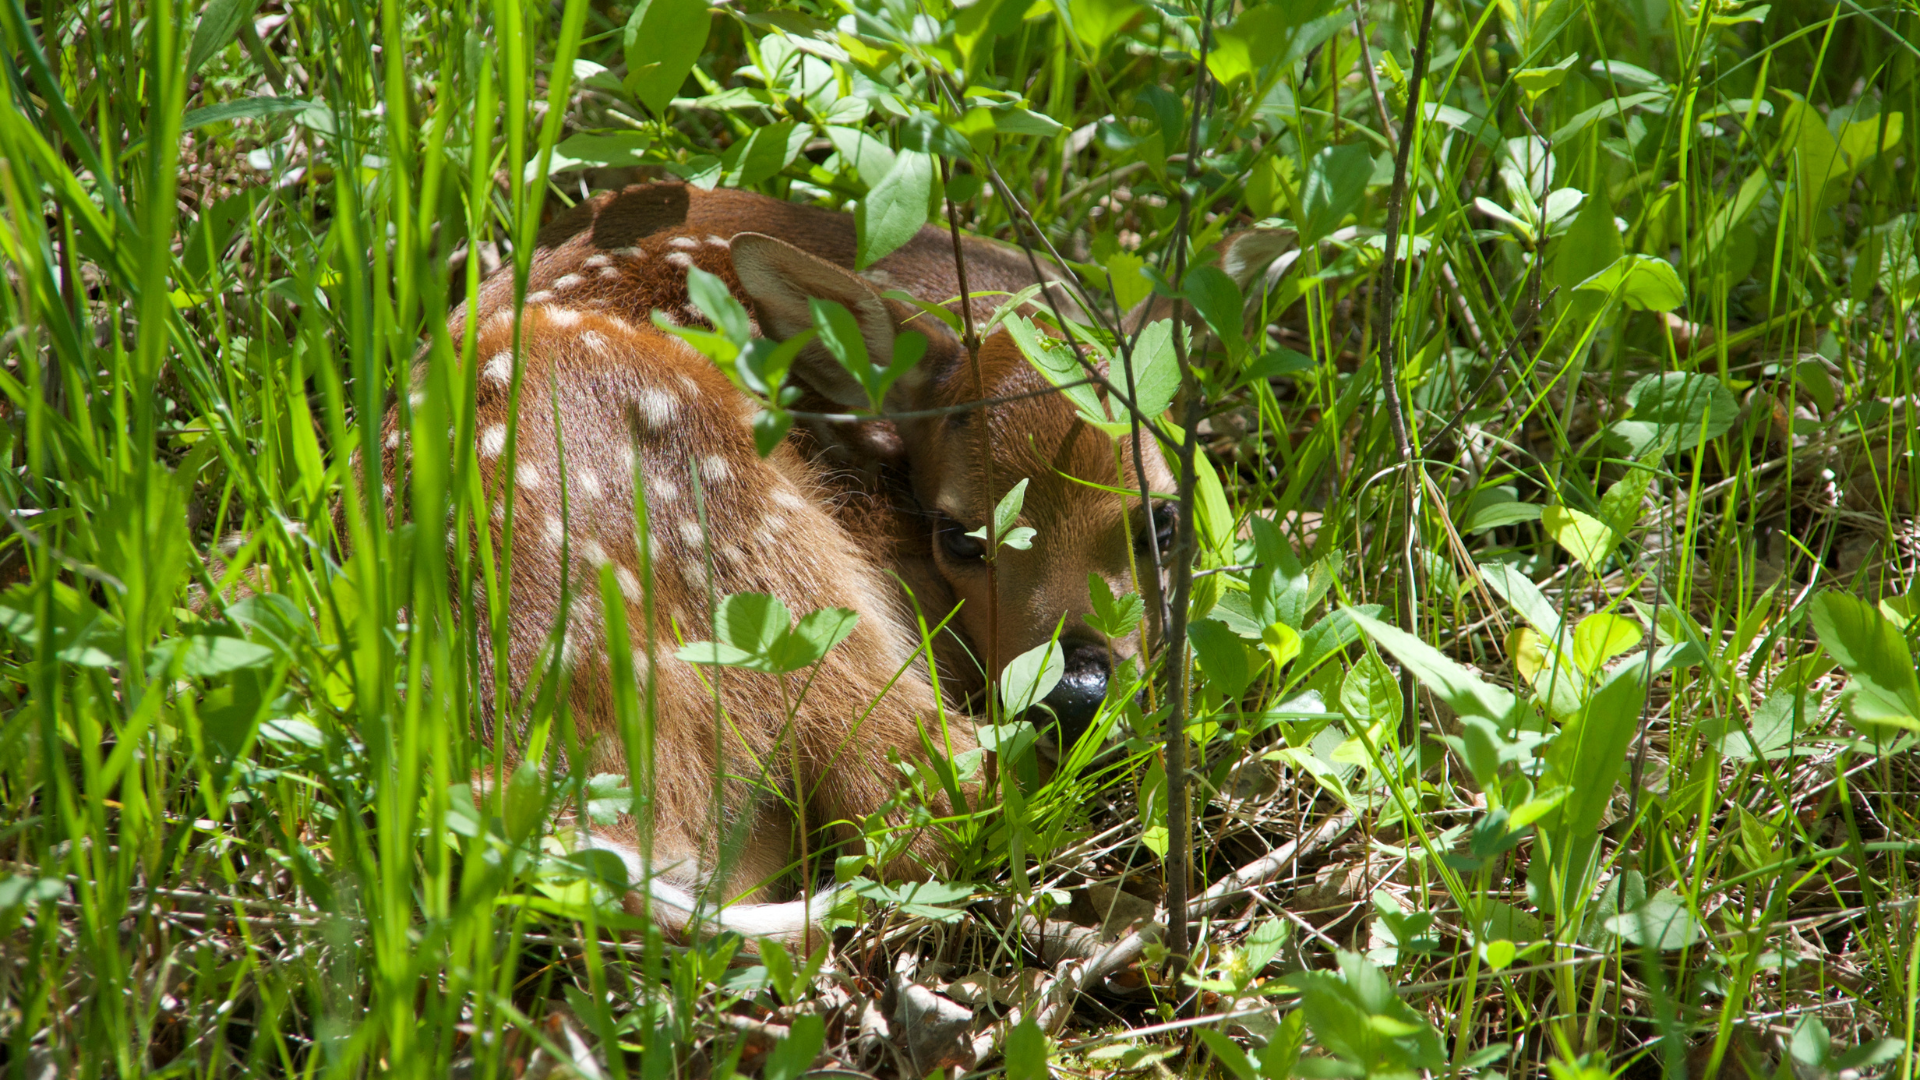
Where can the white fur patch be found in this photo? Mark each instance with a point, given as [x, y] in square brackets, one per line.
[690, 532]
[658, 408]
[629, 586]
[718, 241]
[715, 470]
[595, 555]
[493, 440]
[569, 281]
[595, 340]
[609, 273]
[539, 297]
[684, 243]
[499, 368]
[554, 529]
[681, 259]
[594, 262]
[528, 475]
[587, 482]
[560, 317]
[663, 489]
[785, 496]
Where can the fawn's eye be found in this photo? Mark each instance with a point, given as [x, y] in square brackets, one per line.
[957, 544]
[1162, 521]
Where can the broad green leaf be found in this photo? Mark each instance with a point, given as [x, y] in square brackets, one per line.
[1884, 689]
[1282, 643]
[1129, 285]
[219, 22]
[760, 155]
[1094, 21]
[1214, 295]
[1586, 538]
[1228, 1054]
[1054, 359]
[751, 622]
[1601, 637]
[618, 148]
[1466, 693]
[1030, 677]
[1336, 181]
[716, 302]
[208, 655]
[1156, 370]
[662, 41]
[1589, 246]
[1519, 590]
[894, 209]
[1674, 412]
[870, 157]
[1644, 282]
[1026, 1052]
[1114, 617]
[1223, 656]
[1538, 80]
[792, 1057]
[1005, 532]
[1663, 922]
[811, 639]
[1371, 695]
[1494, 515]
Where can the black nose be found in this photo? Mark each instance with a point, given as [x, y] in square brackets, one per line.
[1081, 690]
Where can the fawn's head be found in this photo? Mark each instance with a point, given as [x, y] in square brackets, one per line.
[1082, 497]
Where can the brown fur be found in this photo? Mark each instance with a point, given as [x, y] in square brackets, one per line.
[825, 521]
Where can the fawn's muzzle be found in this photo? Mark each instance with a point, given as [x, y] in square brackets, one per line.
[1080, 691]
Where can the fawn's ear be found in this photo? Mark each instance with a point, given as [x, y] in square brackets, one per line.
[780, 279]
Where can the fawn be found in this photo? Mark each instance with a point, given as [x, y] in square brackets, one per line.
[840, 514]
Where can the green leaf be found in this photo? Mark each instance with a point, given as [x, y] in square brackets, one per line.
[1586, 538]
[1156, 370]
[792, 1057]
[1538, 80]
[219, 22]
[662, 41]
[1223, 656]
[761, 155]
[1589, 246]
[1494, 515]
[811, 639]
[205, 656]
[1371, 695]
[716, 302]
[1004, 516]
[1662, 923]
[1214, 295]
[18, 891]
[1884, 689]
[1129, 285]
[1336, 182]
[894, 209]
[1602, 636]
[616, 149]
[1228, 1054]
[1643, 281]
[1030, 677]
[928, 134]
[1466, 693]
[1094, 21]
[1114, 617]
[870, 157]
[1674, 412]
[1026, 1051]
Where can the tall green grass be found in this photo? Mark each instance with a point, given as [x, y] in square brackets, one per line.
[1638, 825]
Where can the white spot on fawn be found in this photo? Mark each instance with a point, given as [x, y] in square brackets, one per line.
[715, 241]
[715, 470]
[499, 513]
[609, 273]
[569, 281]
[393, 439]
[594, 262]
[668, 318]
[417, 398]
[587, 482]
[658, 408]
[626, 459]
[555, 531]
[629, 586]
[630, 252]
[690, 532]
[561, 317]
[540, 297]
[493, 440]
[785, 496]
[684, 243]
[681, 259]
[500, 320]
[595, 340]
[685, 380]
[500, 368]
[640, 665]
[595, 555]
[528, 475]
[663, 489]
